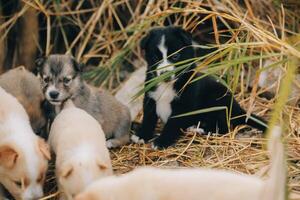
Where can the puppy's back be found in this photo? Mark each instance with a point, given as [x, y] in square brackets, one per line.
[9, 105]
[25, 86]
[191, 183]
[177, 184]
[73, 126]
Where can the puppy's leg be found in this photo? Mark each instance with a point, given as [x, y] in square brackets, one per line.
[171, 132]
[119, 141]
[218, 122]
[240, 118]
[121, 135]
[150, 118]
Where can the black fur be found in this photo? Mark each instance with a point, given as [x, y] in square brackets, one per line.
[204, 93]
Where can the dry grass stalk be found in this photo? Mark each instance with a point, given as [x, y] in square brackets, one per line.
[110, 31]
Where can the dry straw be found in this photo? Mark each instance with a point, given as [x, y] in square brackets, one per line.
[109, 32]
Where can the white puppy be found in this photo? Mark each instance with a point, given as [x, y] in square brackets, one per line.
[78, 141]
[23, 155]
[193, 184]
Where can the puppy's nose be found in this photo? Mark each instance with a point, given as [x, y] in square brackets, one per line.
[53, 94]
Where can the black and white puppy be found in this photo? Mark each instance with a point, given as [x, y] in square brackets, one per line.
[163, 48]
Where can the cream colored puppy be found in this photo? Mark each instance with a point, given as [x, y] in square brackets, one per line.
[79, 143]
[193, 184]
[23, 155]
[25, 86]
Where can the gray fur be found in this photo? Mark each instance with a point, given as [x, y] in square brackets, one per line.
[113, 116]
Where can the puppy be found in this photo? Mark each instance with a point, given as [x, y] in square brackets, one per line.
[25, 86]
[194, 184]
[23, 155]
[164, 47]
[131, 87]
[61, 80]
[270, 79]
[78, 141]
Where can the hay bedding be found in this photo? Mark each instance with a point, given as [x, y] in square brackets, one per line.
[241, 150]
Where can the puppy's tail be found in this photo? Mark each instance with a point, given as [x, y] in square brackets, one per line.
[275, 187]
[68, 104]
[253, 121]
[256, 122]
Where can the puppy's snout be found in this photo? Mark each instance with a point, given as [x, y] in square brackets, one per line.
[54, 94]
[33, 193]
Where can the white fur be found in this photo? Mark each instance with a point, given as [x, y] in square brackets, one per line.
[85, 152]
[15, 128]
[163, 95]
[78, 141]
[23, 138]
[196, 129]
[164, 65]
[131, 87]
[136, 139]
[166, 184]
[194, 184]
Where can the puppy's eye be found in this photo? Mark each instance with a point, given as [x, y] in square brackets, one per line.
[40, 179]
[155, 58]
[175, 57]
[46, 79]
[18, 183]
[67, 80]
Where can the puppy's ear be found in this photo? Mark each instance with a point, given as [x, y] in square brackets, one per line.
[145, 40]
[66, 171]
[44, 148]
[101, 165]
[184, 35]
[77, 66]
[8, 157]
[38, 65]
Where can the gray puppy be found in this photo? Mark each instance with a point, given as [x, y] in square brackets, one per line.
[61, 80]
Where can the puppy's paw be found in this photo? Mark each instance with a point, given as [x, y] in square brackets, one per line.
[154, 147]
[160, 143]
[196, 129]
[112, 143]
[136, 139]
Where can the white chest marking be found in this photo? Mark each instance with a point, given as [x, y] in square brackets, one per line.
[163, 95]
[164, 65]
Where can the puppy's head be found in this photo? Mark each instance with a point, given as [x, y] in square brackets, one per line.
[164, 47]
[60, 77]
[22, 171]
[75, 175]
